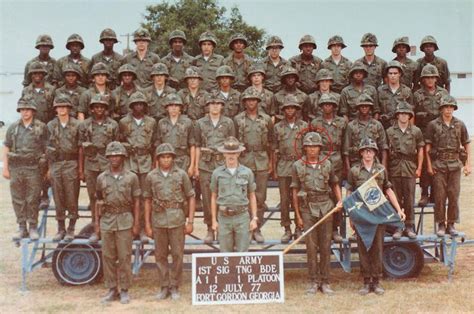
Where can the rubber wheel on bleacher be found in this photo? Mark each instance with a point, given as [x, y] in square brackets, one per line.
[77, 264]
[402, 260]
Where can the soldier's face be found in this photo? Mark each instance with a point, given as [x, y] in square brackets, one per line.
[108, 43]
[393, 75]
[193, 82]
[224, 81]
[207, 47]
[325, 85]
[368, 154]
[37, 77]
[447, 111]
[307, 49]
[369, 50]
[215, 108]
[165, 161]
[364, 109]
[75, 48]
[429, 82]
[116, 161]
[98, 109]
[26, 114]
[177, 45]
[142, 45]
[336, 49]
[428, 49]
[358, 76]
[401, 50]
[138, 108]
[127, 78]
[70, 78]
[231, 158]
[251, 104]
[290, 80]
[159, 79]
[290, 112]
[274, 52]
[257, 78]
[312, 151]
[403, 117]
[100, 79]
[44, 50]
[173, 109]
[328, 108]
[238, 46]
[63, 111]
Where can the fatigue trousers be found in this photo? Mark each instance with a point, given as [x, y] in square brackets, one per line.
[91, 183]
[65, 183]
[116, 255]
[447, 187]
[169, 240]
[261, 180]
[234, 232]
[371, 260]
[141, 180]
[318, 240]
[285, 200]
[426, 181]
[404, 188]
[205, 183]
[25, 190]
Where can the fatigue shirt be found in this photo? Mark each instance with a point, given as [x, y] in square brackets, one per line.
[113, 63]
[120, 97]
[82, 62]
[409, 71]
[240, 69]
[208, 136]
[348, 101]
[273, 73]
[180, 135]
[142, 67]
[117, 193]
[307, 72]
[440, 64]
[314, 109]
[267, 103]
[232, 102]
[194, 106]
[208, 69]
[356, 131]
[302, 98]
[375, 69]
[175, 187]
[232, 190]
[288, 144]
[177, 69]
[340, 72]
[257, 136]
[86, 96]
[100, 135]
[142, 137]
[446, 139]
[74, 96]
[64, 139]
[43, 99]
[49, 66]
[388, 100]
[358, 175]
[335, 130]
[403, 150]
[156, 103]
[26, 141]
[426, 106]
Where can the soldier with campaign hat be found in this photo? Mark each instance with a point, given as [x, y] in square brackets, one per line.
[158, 92]
[337, 63]
[108, 56]
[429, 45]
[44, 43]
[194, 95]
[225, 76]
[274, 64]
[208, 61]
[233, 200]
[75, 44]
[177, 60]
[401, 47]
[375, 65]
[238, 61]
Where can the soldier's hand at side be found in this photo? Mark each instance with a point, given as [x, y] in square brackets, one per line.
[148, 231]
[339, 206]
[418, 172]
[188, 228]
[136, 229]
[431, 171]
[196, 173]
[190, 171]
[299, 222]
[215, 225]
[402, 215]
[6, 173]
[48, 175]
[467, 169]
[253, 225]
[81, 175]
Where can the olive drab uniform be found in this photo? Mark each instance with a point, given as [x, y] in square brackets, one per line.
[49, 65]
[313, 184]
[388, 101]
[409, 66]
[82, 62]
[446, 142]
[267, 100]
[112, 62]
[208, 137]
[307, 69]
[314, 110]
[257, 136]
[63, 153]
[284, 138]
[349, 96]
[240, 68]
[208, 65]
[376, 68]
[92, 92]
[180, 135]
[120, 98]
[233, 203]
[177, 68]
[142, 66]
[169, 194]
[156, 101]
[444, 78]
[302, 98]
[116, 221]
[273, 73]
[339, 71]
[43, 98]
[74, 95]
[27, 147]
[194, 105]
[232, 105]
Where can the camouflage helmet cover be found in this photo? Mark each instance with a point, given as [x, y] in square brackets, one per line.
[429, 70]
[336, 39]
[358, 66]
[328, 99]
[364, 100]
[225, 71]
[75, 38]
[367, 142]
[290, 101]
[99, 99]
[159, 69]
[256, 67]
[274, 41]
[115, 149]
[62, 100]
[192, 72]
[108, 33]
[72, 68]
[403, 41]
[215, 98]
[177, 34]
[235, 37]
[127, 68]
[207, 36]
[324, 74]
[164, 149]
[26, 102]
[404, 107]
[99, 68]
[287, 71]
[307, 39]
[137, 98]
[429, 40]
[394, 64]
[312, 139]
[37, 67]
[44, 40]
[448, 100]
[251, 93]
[141, 34]
[369, 39]
[173, 99]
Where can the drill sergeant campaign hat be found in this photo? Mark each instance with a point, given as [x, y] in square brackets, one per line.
[231, 145]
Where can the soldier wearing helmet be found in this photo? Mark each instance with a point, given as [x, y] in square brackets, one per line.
[274, 64]
[210, 132]
[405, 148]
[254, 130]
[208, 61]
[95, 133]
[118, 220]
[225, 77]
[256, 77]
[100, 75]
[324, 83]
[169, 216]
[44, 44]
[313, 180]
[371, 260]
[194, 96]
[447, 152]
[427, 101]
[392, 92]
[23, 158]
[337, 63]
[375, 65]
[74, 44]
[127, 76]
[238, 61]
[306, 64]
[108, 56]
[429, 45]
[287, 148]
[177, 60]
[289, 79]
[159, 91]
[335, 128]
[401, 47]
[71, 87]
[65, 169]
[142, 59]
[357, 87]
[364, 125]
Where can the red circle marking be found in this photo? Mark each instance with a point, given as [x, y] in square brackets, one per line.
[323, 132]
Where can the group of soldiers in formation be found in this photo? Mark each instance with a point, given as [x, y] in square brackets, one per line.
[149, 135]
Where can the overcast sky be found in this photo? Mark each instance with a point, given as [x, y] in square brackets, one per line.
[451, 22]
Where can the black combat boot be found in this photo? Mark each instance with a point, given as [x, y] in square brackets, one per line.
[70, 230]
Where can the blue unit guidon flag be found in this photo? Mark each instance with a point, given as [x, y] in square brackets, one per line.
[367, 207]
